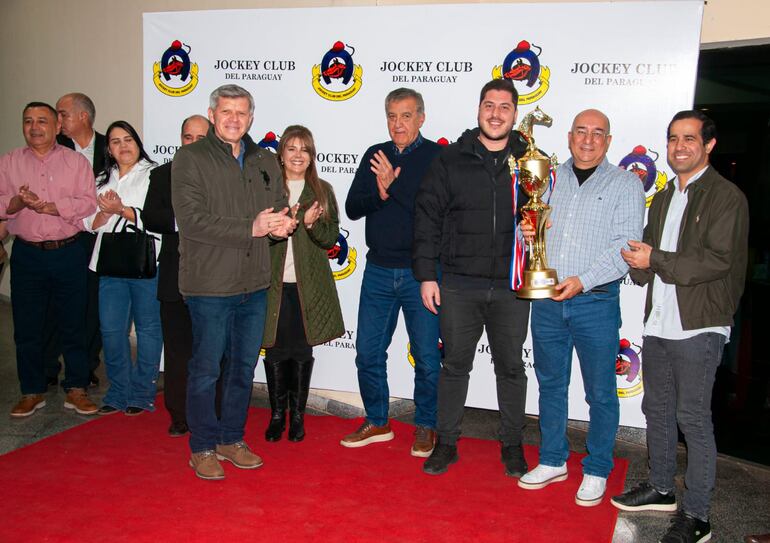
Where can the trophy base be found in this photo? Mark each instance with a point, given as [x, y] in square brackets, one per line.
[538, 284]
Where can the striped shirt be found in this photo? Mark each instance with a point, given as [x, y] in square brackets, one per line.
[592, 222]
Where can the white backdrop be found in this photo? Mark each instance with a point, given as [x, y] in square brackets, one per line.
[636, 61]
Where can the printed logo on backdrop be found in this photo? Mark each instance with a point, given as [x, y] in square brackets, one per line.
[269, 142]
[426, 71]
[623, 74]
[522, 66]
[628, 369]
[175, 74]
[342, 257]
[344, 342]
[250, 69]
[337, 78]
[641, 162]
[526, 354]
[410, 358]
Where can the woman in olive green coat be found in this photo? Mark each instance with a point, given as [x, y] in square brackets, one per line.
[302, 304]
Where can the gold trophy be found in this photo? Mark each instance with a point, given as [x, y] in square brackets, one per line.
[534, 177]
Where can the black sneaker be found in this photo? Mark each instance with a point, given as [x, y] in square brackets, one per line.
[645, 498]
[687, 529]
[513, 459]
[439, 461]
[107, 410]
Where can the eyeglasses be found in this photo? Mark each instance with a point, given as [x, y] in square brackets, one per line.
[583, 134]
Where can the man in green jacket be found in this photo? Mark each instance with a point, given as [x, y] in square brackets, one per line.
[693, 257]
[228, 197]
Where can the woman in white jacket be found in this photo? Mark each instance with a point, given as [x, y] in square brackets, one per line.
[121, 189]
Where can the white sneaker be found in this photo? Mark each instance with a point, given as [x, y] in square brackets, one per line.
[591, 491]
[543, 476]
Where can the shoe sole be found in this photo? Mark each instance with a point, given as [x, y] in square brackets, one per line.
[40, 405]
[666, 507]
[589, 503]
[369, 440]
[538, 486]
[79, 411]
[442, 471]
[241, 466]
[205, 478]
[422, 454]
[108, 413]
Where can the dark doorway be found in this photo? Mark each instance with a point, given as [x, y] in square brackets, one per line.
[733, 88]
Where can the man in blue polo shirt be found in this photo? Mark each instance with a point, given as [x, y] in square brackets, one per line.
[383, 191]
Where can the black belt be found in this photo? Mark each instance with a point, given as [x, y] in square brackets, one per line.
[49, 245]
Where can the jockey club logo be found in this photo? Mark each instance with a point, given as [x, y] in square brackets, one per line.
[175, 74]
[337, 78]
[270, 142]
[642, 164]
[410, 358]
[342, 257]
[628, 369]
[522, 66]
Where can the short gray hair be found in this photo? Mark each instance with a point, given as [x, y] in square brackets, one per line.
[84, 103]
[402, 94]
[230, 91]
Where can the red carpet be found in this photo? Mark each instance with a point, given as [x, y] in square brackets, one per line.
[121, 478]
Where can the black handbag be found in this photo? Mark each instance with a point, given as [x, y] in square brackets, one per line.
[127, 253]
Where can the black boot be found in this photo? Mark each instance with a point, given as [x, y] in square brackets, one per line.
[277, 382]
[298, 398]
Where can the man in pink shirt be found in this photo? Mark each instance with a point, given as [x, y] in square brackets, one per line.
[45, 192]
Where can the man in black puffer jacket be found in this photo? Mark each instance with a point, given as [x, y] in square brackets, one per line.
[464, 222]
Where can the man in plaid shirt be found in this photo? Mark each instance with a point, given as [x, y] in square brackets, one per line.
[597, 208]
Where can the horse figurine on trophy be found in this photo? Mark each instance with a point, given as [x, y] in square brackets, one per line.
[534, 173]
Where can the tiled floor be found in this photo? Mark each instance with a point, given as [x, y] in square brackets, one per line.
[741, 503]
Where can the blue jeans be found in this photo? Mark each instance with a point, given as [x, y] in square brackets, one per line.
[590, 323]
[120, 302]
[678, 382]
[383, 292]
[229, 327]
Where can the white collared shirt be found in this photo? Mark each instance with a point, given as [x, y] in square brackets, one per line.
[665, 321]
[88, 150]
[132, 189]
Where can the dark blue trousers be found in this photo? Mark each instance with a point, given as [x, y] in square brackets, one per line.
[38, 278]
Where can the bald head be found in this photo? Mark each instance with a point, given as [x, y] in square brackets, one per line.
[194, 128]
[589, 139]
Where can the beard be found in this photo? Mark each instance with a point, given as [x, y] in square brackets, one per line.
[501, 137]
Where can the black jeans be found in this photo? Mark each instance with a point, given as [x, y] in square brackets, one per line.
[678, 382]
[464, 315]
[290, 340]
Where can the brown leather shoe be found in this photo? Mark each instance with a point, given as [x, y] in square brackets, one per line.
[239, 455]
[424, 441]
[28, 404]
[367, 433]
[78, 400]
[207, 466]
[764, 538]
